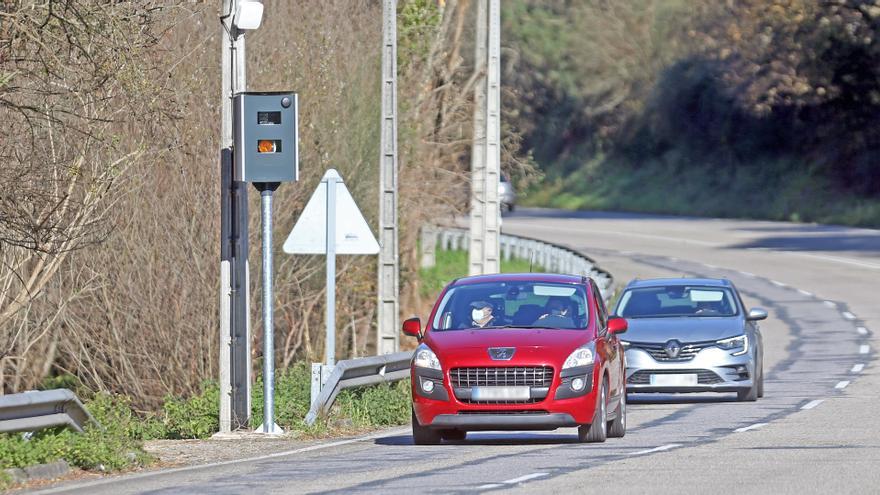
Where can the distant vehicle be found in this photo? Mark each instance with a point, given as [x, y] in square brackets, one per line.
[691, 335]
[518, 352]
[506, 194]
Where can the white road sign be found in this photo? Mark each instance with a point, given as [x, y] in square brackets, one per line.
[353, 234]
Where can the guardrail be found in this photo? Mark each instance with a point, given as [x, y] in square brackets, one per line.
[35, 410]
[392, 367]
[550, 257]
[357, 373]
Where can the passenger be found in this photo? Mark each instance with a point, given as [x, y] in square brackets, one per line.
[481, 315]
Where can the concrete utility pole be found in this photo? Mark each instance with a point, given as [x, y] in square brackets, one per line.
[486, 153]
[235, 366]
[389, 265]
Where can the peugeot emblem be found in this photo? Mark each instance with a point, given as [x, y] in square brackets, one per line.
[672, 348]
[501, 353]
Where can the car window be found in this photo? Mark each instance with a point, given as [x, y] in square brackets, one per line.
[677, 300]
[512, 305]
[602, 312]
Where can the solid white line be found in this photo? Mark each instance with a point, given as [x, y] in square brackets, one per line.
[524, 478]
[657, 449]
[160, 472]
[857, 368]
[841, 385]
[778, 283]
[862, 330]
[864, 349]
[805, 292]
[750, 427]
[812, 404]
[848, 315]
[834, 259]
[830, 304]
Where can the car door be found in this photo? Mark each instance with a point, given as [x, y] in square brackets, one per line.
[610, 344]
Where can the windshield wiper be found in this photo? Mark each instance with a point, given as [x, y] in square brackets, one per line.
[515, 326]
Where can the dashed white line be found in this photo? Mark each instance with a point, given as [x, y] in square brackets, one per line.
[812, 404]
[864, 349]
[830, 304]
[512, 481]
[707, 265]
[849, 316]
[657, 449]
[748, 274]
[841, 385]
[805, 293]
[778, 283]
[862, 330]
[750, 427]
[857, 368]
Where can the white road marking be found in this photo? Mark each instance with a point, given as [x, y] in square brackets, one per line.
[835, 259]
[633, 234]
[524, 478]
[849, 316]
[841, 385]
[857, 368]
[778, 283]
[830, 304]
[864, 349]
[812, 404]
[748, 274]
[707, 265]
[862, 330]
[805, 292]
[489, 486]
[657, 449]
[750, 427]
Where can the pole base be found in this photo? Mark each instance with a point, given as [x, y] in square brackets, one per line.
[275, 430]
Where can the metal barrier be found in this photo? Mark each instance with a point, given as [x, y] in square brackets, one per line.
[550, 257]
[35, 410]
[357, 373]
[392, 367]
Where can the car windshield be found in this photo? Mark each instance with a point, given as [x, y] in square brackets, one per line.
[676, 300]
[513, 305]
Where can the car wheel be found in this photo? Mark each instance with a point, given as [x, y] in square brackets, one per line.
[617, 426]
[454, 435]
[510, 208]
[748, 395]
[422, 435]
[761, 382]
[597, 431]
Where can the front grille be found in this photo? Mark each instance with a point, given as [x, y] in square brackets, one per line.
[658, 351]
[704, 377]
[507, 376]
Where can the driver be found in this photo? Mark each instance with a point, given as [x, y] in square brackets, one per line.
[556, 306]
[481, 315]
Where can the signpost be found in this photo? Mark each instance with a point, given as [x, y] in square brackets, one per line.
[330, 224]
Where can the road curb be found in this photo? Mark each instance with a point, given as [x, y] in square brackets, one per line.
[38, 471]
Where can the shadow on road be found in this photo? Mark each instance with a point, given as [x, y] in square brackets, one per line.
[494, 438]
[647, 399]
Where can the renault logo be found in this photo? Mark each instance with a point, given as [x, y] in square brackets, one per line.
[672, 348]
[501, 353]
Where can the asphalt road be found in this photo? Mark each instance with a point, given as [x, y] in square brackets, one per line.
[816, 430]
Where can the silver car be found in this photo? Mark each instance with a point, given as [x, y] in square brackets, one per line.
[691, 335]
[506, 194]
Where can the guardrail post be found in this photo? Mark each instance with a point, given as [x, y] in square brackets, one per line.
[428, 247]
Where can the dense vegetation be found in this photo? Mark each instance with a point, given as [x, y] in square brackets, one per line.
[761, 108]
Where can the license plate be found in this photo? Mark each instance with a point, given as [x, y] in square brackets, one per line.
[676, 380]
[500, 393]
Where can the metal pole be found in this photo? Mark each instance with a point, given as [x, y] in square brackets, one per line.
[389, 268]
[492, 210]
[266, 190]
[331, 271]
[478, 150]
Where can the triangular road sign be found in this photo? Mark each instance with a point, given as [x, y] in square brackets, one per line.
[353, 234]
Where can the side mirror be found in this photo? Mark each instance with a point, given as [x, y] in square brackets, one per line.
[413, 327]
[756, 314]
[617, 325]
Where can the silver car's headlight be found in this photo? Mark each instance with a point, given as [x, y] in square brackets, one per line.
[625, 344]
[582, 356]
[425, 358]
[739, 342]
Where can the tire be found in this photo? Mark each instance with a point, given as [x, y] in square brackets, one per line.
[617, 426]
[597, 431]
[761, 382]
[453, 435]
[510, 208]
[422, 435]
[748, 395]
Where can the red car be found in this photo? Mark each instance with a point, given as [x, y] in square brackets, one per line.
[518, 352]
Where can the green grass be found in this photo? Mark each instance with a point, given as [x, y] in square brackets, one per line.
[773, 191]
[452, 264]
